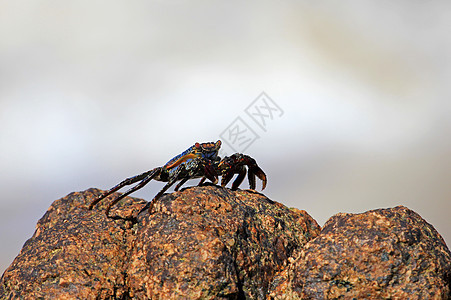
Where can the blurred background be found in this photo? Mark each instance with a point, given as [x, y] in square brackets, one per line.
[92, 92]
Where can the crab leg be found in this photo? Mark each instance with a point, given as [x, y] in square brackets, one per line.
[202, 166]
[239, 179]
[226, 177]
[202, 180]
[125, 182]
[171, 181]
[210, 172]
[150, 204]
[182, 182]
[145, 181]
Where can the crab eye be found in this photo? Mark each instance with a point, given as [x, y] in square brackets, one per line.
[218, 144]
[197, 145]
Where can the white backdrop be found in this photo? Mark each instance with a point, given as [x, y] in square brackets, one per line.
[92, 92]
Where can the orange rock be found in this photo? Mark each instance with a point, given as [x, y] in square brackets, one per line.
[381, 254]
[199, 243]
[213, 243]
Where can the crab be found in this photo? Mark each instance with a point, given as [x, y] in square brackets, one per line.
[199, 161]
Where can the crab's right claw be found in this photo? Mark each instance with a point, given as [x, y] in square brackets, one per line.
[253, 170]
[256, 171]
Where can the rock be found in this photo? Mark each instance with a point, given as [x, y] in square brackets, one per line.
[74, 253]
[213, 243]
[199, 243]
[381, 254]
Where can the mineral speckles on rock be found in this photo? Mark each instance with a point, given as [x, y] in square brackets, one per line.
[74, 253]
[213, 243]
[199, 243]
[385, 253]
[228, 243]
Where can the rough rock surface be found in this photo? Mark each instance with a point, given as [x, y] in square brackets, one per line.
[213, 243]
[381, 254]
[199, 243]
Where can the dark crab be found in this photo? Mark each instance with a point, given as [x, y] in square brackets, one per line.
[199, 161]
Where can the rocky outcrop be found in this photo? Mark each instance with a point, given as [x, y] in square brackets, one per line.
[380, 254]
[200, 243]
[213, 243]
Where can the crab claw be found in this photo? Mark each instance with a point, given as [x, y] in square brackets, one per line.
[209, 171]
[228, 175]
[235, 164]
[206, 169]
[256, 171]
